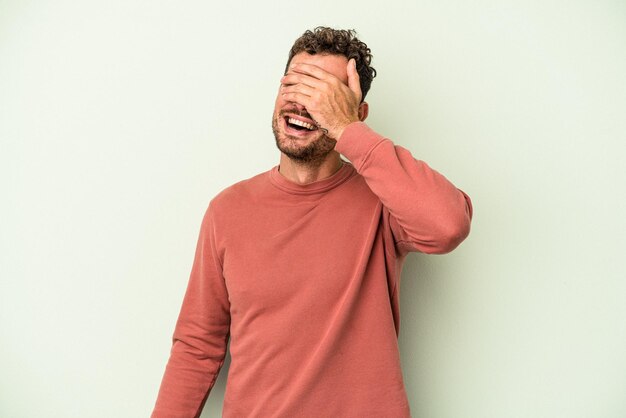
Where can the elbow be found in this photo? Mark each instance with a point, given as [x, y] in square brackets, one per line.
[446, 229]
[457, 228]
[450, 236]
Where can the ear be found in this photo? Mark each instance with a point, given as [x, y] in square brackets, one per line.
[364, 109]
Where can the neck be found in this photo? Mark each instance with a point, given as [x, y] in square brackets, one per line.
[304, 173]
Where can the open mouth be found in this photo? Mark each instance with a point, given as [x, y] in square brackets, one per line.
[299, 125]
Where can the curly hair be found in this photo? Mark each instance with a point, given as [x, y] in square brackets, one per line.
[324, 40]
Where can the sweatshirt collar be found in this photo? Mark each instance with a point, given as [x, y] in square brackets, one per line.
[320, 186]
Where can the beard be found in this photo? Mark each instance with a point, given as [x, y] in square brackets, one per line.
[312, 153]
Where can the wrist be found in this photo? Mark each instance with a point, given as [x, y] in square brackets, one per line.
[339, 130]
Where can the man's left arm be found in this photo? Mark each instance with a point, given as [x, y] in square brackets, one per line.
[428, 213]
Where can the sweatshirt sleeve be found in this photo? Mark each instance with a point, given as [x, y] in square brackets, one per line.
[200, 336]
[427, 213]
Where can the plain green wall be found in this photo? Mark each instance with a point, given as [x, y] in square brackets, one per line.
[120, 120]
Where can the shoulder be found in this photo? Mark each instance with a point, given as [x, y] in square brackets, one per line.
[239, 194]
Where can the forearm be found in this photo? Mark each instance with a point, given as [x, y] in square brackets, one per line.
[433, 215]
[190, 374]
[200, 337]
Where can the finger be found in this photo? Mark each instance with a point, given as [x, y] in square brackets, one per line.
[298, 88]
[296, 97]
[312, 70]
[294, 78]
[353, 78]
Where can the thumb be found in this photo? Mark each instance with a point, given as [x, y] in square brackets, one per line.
[353, 78]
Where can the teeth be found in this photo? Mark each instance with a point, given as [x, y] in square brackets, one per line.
[300, 123]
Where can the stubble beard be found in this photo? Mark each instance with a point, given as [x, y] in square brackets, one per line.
[314, 153]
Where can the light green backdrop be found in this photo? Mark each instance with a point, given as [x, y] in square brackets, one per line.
[119, 120]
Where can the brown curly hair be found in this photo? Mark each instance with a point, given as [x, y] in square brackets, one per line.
[324, 40]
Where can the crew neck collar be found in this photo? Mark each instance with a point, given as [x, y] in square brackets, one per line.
[319, 186]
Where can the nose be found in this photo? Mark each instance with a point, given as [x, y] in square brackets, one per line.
[301, 109]
[298, 107]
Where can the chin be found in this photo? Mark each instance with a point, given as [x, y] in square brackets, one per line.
[305, 148]
[314, 151]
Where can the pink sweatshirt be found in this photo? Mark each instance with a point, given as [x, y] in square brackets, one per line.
[303, 279]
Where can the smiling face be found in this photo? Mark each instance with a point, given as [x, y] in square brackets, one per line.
[296, 133]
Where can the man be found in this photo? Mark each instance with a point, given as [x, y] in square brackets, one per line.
[299, 266]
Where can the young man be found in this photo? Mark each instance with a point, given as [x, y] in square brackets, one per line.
[299, 266]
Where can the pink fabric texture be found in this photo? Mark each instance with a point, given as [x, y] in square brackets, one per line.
[303, 280]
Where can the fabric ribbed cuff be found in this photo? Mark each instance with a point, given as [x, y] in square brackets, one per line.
[357, 141]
